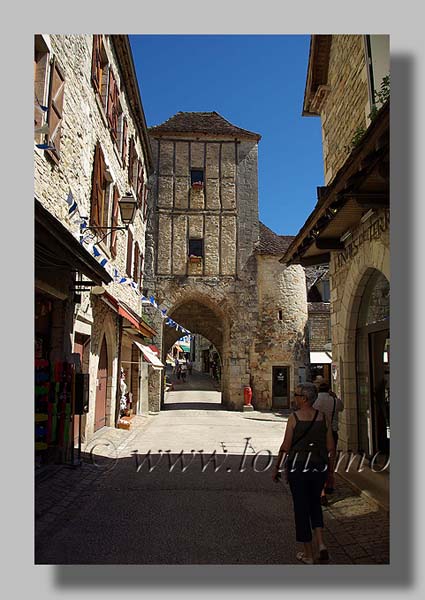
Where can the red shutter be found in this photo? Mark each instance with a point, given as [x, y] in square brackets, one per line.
[136, 263]
[114, 234]
[145, 204]
[112, 109]
[140, 181]
[124, 143]
[129, 252]
[96, 63]
[57, 87]
[142, 259]
[97, 187]
[131, 161]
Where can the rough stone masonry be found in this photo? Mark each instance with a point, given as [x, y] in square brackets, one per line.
[234, 291]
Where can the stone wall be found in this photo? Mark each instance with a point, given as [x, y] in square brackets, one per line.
[347, 105]
[319, 320]
[208, 213]
[347, 275]
[85, 124]
[281, 336]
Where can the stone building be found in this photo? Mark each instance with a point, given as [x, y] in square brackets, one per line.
[210, 268]
[319, 322]
[348, 87]
[91, 149]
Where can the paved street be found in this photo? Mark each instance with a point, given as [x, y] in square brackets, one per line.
[114, 513]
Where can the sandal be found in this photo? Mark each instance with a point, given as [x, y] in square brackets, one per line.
[324, 555]
[307, 561]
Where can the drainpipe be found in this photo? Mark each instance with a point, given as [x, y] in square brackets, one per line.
[118, 393]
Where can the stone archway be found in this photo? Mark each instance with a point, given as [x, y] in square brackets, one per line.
[375, 257]
[103, 330]
[199, 314]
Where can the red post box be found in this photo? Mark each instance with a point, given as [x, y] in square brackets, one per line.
[247, 394]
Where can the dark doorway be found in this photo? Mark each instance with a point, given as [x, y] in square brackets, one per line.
[101, 388]
[280, 393]
[380, 389]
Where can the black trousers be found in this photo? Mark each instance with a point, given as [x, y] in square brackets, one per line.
[306, 489]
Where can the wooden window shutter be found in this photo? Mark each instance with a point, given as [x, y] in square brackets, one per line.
[54, 119]
[145, 204]
[129, 253]
[97, 187]
[112, 109]
[131, 160]
[136, 263]
[124, 143]
[140, 182]
[142, 259]
[96, 64]
[115, 210]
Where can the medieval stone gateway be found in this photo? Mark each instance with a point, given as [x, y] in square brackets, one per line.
[215, 267]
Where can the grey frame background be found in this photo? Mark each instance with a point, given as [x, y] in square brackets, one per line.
[404, 575]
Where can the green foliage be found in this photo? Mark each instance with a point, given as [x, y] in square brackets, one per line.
[381, 98]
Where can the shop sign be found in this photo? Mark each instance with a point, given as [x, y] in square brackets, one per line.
[373, 232]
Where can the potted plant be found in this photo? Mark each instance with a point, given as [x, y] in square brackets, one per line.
[198, 185]
[195, 259]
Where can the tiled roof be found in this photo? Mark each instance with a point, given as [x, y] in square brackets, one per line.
[271, 243]
[201, 122]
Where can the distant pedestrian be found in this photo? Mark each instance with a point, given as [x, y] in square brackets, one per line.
[308, 451]
[189, 366]
[176, 365]
[329, 404]
[183, 371]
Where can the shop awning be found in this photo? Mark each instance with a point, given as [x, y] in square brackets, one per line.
[150, 356]
[56, 248]
[320, 358]
[132, 319]
[184, 347]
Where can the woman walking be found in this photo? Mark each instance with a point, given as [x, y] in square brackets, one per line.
[308, 451]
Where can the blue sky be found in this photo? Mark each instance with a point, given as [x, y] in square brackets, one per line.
[255, 81]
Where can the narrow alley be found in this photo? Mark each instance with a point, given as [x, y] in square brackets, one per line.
[113, 510]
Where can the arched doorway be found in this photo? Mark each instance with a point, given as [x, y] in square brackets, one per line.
[101, 388]
[373, 363]
[200, 316]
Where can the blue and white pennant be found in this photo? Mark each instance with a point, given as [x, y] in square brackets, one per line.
[113, 271]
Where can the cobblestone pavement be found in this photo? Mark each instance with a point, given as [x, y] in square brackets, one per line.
[106, 512]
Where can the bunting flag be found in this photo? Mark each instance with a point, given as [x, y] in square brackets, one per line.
[73, 206]
[45, 147]
[87, 241]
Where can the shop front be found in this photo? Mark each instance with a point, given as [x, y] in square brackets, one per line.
[135, 341]
[59, 262]
[349, 230]
[320, 367]
[373, 365]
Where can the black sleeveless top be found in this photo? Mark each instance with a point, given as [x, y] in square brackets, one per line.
[309, 443]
